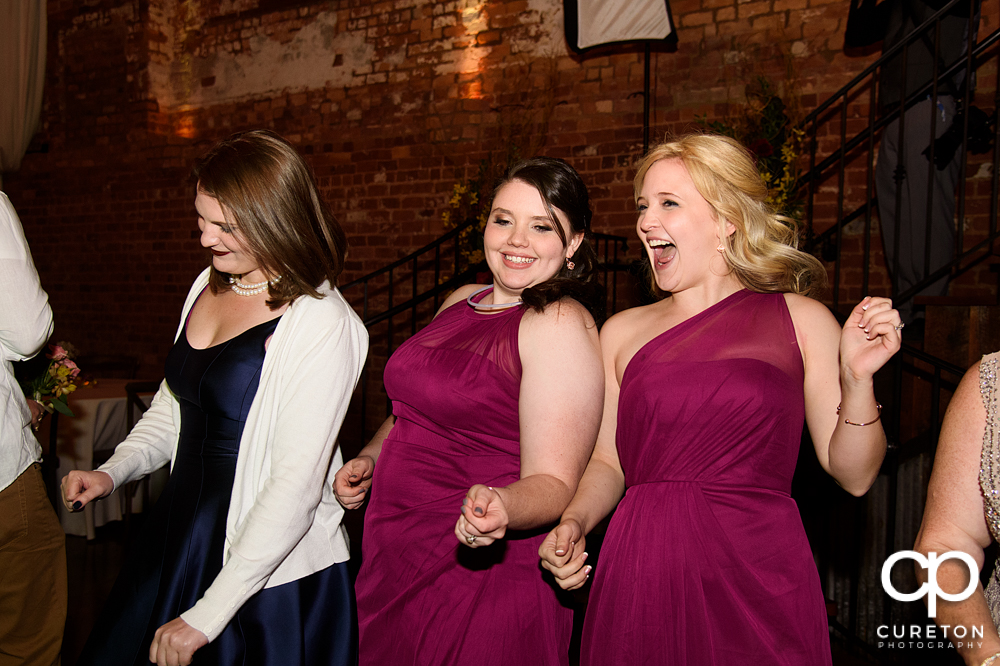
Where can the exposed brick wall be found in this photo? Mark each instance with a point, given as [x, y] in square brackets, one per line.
[391, 102]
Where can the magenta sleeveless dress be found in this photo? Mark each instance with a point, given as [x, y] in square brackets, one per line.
[424, 599]
[706, 560]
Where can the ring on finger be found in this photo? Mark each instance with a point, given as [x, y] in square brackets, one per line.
[471, 539]
[899, 326]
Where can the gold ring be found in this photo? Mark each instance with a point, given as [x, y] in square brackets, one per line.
[471, 539]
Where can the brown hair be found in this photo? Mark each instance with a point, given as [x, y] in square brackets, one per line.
[763, 251]
[267, 189]
[562, 188]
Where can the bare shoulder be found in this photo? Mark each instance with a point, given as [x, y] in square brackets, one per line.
[805, 308]
[562, 313]
[459, 295]
[629, 330]
[967, 402]
[812, 320]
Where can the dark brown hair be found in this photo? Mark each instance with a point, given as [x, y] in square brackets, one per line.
[267, 189]
[562, 188]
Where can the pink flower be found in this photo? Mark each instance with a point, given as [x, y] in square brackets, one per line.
[58, 353]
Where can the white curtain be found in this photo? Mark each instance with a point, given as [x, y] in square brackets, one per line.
[22, 76]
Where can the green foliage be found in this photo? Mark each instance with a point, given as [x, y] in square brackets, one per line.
[763, 125]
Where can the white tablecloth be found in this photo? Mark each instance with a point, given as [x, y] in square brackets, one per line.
[98, 424]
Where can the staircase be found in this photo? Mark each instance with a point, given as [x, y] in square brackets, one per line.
[852, 537]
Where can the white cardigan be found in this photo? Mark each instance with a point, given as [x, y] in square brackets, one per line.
[284, 522]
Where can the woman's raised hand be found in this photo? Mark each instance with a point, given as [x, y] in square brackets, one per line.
[872, 334]
[352, 481]
[79, 488]
[563, 552]
[484, 517]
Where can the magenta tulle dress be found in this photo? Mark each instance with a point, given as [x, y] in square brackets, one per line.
[706, 560]
[424, 599]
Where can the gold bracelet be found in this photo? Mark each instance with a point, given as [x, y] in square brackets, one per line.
[989, 660]
[878, 406]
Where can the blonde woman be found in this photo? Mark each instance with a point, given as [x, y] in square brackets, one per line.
[706, 560]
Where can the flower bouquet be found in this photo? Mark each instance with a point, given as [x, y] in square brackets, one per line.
[52, 387]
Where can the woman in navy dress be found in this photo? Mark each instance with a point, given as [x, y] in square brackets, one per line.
[243, 560]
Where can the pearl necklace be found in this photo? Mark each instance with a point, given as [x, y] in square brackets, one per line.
[490, 307]
[241, 289]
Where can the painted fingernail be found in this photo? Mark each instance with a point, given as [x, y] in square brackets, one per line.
[588, 569]
[560, 551]
[77, 505]
[868, 330]
[585, 556]
[478, 511]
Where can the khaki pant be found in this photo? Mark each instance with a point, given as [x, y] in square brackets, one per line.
[32, 574]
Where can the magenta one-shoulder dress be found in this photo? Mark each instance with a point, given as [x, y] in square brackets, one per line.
[423, 598]
[706, 560]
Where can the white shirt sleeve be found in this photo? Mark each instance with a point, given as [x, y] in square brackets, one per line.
[25, 315]
[318, 378]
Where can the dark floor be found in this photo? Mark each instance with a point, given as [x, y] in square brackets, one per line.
[94, 565]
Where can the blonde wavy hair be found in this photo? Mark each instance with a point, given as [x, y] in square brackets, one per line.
[763, 251]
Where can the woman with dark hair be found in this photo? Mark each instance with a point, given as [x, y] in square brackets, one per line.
[706, 560]
[496, 405]
[243, 560]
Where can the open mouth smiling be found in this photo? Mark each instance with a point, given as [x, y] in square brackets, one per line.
[663, 250]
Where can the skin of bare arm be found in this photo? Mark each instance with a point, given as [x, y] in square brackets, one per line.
[563, 551]
[840, 364]
[559, 407]
[353, 481]
[954, 518]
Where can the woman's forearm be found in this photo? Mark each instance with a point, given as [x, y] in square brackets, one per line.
[856, 451]
[374, 447]
[534, 501]
[599, 492]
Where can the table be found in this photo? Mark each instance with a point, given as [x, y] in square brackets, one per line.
[99, 424]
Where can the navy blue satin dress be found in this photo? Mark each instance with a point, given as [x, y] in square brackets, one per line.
[304, 622]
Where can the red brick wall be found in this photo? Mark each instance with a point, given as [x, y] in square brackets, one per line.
[391, 102]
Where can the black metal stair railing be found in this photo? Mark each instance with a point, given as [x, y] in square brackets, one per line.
[861, 92]
[843, 134]
[401, 298]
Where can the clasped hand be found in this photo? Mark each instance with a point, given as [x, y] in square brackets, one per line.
[563, 552]
[484, 517]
